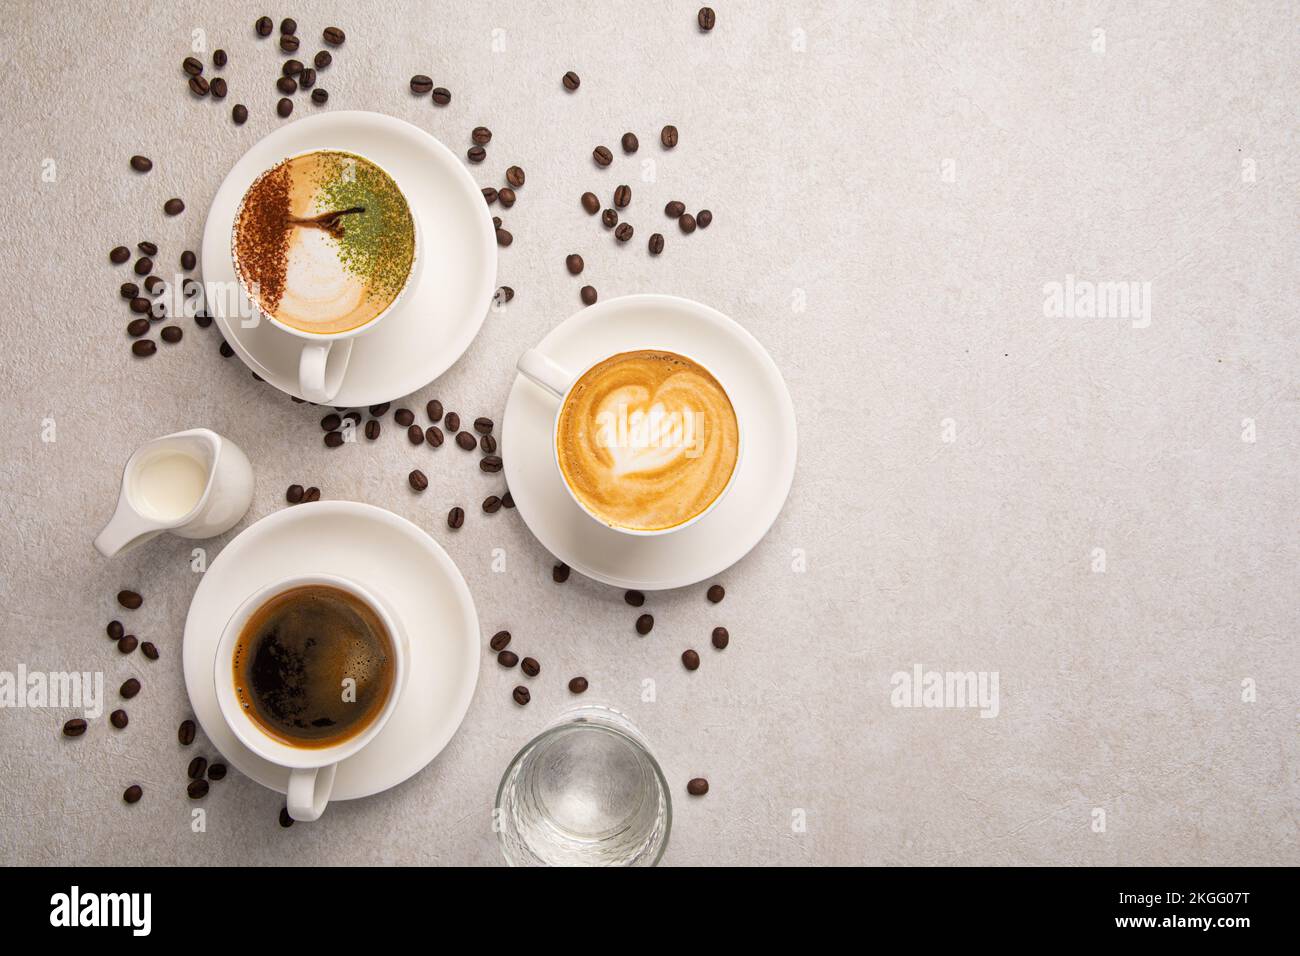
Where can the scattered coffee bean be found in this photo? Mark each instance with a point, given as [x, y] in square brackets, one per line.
[507, 658]
[645, 624]
[288, 26]
[294, 494]
[115, 630]
[185, 733]
[289, 44]
[119, 719]
[609, 218]
[500, 640]
[476, 154]
[466, 441]
[404, 417]
[137, 327]
[507, 500]
[668, 136]
[686, 223]
[199, 86]
[453, 422]
[154, 285]
[488, 445]
[590, 202]
[674, 209]
[219, 58]
[496, 222]
[690, 660]
[264, 26]
[188, 260]
[515, 176]
[287, 85]
[491, 504]
[530, 667]
[217, 88]
[149, 650]
[588, 295]
[286, 821]
[319, 96]
[322, 59]
[441, 95]
[148, 248]
[171, 334]
[490, 464]
[239, 113]
[118, 255]
[198, 789]
[434, 436]
[415, 435]
[503, 295]
[624, 232]
[634, 598]
[481, 135]
[434, 410]
[130, 687]
[560, 573]
[128, 290]
[284, 107]
[571, 81]
[197, 768]
[622, 196]
[143, 348]
[192, 65]
[573, 262]
[130, 600]
[721, 637]
[310, 495]
[630, 143]
[455, 518]
[141, 305]
[656, 243]
[578, 685]
[521, 695]
[419, 481]
[173, 207]
[373, 429]
[74, 727]
[489, 195]
[333, 36]
[333, 439]
[217, 771]
[133, 793]
[706, 18]
[507, 196]
[128, 643]
[602, 155]
[330, 423]
[716, 593]
[143, 266]
[703, 218]
[698, 787]
[504, 238]
[141, 164]
[380, 409]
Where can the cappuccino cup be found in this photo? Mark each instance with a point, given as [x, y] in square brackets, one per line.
[647, 441]
[325, 244]
[308, 672]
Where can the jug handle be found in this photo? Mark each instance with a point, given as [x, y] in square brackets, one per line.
[126, 529]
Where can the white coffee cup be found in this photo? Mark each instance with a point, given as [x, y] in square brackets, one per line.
[324, 358]
[550, 375]
[311, 769]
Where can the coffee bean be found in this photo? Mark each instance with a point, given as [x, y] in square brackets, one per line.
[288, 26]
[154, 285]
[264, 26]
[491, 504]
[686, 223]
[515, 176]
[624, 232]
[481, 135]
[466, 441]
[573, 262]
[289, 44]
[507, 500]
[115, 630]
[453, 422]
[284, 107]
[419, 481]
[188, 260]
[490, 464]
[560, 573]
[521, 695]
[141, 164]
[489, 195]
[322, 59]
[530, 667]
[721, 637]
[197, 768]
[496, 222]
[571, 81]
[74, 727]
[199, 86]
[578, 685]
[488, 445]
[507, 658]
[380, 409]
[294, 494]
[415, 435]
[143, 348]
[630, 143]
[434, 436]
[133, 793]
[310, 495]
[330, 423]
[656, 243]
[286, 821]
[441, 95]
[674, 209]
[185, 733]
[118, 255]
[372, 429]
[192, 66]
[697, 787]
[291, 68]
[137, 327]
[590, 203]
[128, 290]
[143, 266]
[219, 58]
[500, 640]
[602, 156]
[130, 687]
[198, 789]
[504, 238]
[503, 295]
[434, 410]
[319, 96]
[716, 593]
[507, 196]
[404, 417]
[217, 88]
[128, 643]
[141, 305]
[148, 248]
[333, 36]
[634, 598]
[690, 660]
[703, 218]
[609, 218]
[668, 136]
[287, 85]
[333, 439]
[455, 518]
[119, 719]
[129, 600]
[226, 350]
[173, 207]
[217, 771]
[171, 334]
[476, 154]
[622, 196]
[645, 624]
[149, 650]
[588, 295]
[239, 114]
[706, 18]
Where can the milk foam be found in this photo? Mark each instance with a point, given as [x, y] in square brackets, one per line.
[318, 293]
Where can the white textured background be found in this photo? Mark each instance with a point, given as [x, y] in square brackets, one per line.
[818, 134]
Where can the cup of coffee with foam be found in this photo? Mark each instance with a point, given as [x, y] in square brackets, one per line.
[308, 671]
[647, 441]
[325, 244]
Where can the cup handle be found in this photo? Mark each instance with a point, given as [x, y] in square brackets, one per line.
[309, 791]
[321, 368]
[544, 371]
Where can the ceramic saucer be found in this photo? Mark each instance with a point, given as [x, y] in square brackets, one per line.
[724, 535]
[407, 570]
[435, 321]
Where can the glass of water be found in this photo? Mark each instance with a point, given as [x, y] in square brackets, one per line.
[584, 792]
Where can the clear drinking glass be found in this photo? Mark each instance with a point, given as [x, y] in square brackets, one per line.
[584, 792]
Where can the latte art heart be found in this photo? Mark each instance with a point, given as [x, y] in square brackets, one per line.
[647, 440]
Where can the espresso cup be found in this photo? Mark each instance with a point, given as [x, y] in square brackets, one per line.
[561, 383]
[311, 768]
[323, 362]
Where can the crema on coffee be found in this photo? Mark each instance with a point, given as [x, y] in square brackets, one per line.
[647, 440]
[324, 241]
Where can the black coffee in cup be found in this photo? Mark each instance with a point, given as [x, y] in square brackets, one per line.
[314, 666]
